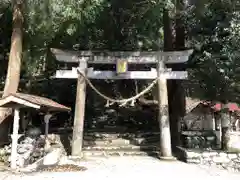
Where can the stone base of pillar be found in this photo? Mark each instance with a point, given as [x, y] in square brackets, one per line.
[76, 157]
[170, 158]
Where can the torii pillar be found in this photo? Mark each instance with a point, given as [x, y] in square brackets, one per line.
[77, 139]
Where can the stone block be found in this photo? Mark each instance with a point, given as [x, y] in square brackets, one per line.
[87, 153]
[191, 154]
[3, 152]
[209, 154]
[194, 160]
[213, 153]
[206, 159]
[53, 157]
[120, 141]
[234, 142]
[221, 159]
[232, 156]
[222, 154]
[98, 143]
[89, 138]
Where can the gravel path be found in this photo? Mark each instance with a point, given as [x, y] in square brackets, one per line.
[125, 168]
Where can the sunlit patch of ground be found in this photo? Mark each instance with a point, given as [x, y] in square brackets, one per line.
[131, 168]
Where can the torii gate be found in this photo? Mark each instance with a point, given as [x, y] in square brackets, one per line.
[122, 59]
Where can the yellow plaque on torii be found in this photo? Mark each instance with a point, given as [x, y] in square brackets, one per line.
[121, 66]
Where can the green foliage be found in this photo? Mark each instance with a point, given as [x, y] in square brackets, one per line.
[212, 30]
[86, 25]
[215, 34]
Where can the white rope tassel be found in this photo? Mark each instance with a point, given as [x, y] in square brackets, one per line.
[133, 103]
[111, 103]
[107, 104]
[136, 92]
[123, 104]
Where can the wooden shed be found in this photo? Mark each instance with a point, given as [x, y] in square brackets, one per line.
[19, 101]
[22, 100]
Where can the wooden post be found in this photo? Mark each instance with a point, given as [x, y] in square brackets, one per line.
[15, 139]
[47, 117]
[46, 121]
[225, 123]
[164, 124]
[79, 115]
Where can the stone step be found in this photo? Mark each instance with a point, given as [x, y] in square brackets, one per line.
[144, 140]
[104, 142]
[109, 135]
[119, 153]
[122, 148]
[121, 141]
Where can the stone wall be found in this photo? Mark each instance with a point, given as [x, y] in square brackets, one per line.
[199, 139]
[223, 160]
[234, 141]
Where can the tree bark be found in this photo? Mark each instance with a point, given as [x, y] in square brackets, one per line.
[179, 28]
[14, 63]
[167, 28]
[177, 100]
[173, 107]
[225, 126]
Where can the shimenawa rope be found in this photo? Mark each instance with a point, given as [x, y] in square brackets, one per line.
[122, 102]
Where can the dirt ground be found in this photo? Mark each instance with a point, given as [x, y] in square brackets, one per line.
[130, 168]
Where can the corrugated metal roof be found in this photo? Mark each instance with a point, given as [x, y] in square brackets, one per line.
[44, 103]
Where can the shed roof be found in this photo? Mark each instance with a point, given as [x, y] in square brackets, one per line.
[32, 101]
[191, 103]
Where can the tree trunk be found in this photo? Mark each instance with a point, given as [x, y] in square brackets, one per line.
[225, 130]
[177, 93]
[14, 63]
[167, 28]
[168, 46]
[225, 126]
[179, 28]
